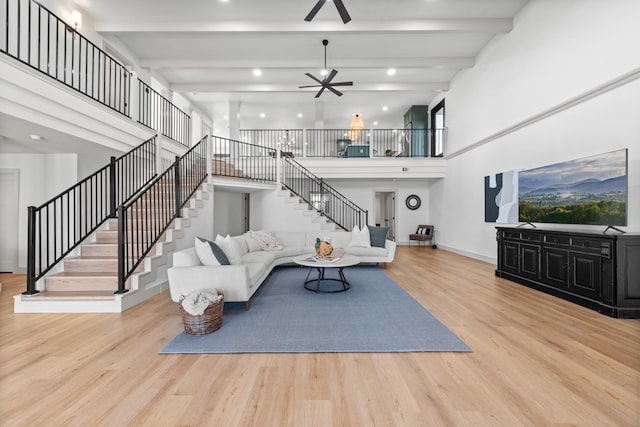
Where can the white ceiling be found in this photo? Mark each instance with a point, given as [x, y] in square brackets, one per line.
[206, 50]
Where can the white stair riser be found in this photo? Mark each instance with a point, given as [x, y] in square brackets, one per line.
[71, 284]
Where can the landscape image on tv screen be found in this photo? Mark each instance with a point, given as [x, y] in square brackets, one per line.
[591, 190]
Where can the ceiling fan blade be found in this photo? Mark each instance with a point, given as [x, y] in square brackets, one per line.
[315, 10]
[337, 92]
[320, 92]
[318, 80]
[342, 11]
[342, 84]
[304, 87]
[330, 77]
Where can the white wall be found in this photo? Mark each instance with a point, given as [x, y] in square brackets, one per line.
[551, 90]
[42, 176]
[88, 164]
[362, 193]
[270, 212]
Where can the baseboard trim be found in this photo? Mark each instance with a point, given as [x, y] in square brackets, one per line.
[479, 257]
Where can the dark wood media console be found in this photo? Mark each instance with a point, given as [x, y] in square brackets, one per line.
[595, 270]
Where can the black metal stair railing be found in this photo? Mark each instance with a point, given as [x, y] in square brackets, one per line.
[59, 225]
[243, 160]
[35, 36]
[325, 199]
[161, 115]
[143, 219]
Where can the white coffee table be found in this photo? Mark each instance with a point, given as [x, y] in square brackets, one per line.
[344, 261]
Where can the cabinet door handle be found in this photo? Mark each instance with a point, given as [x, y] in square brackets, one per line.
[585, 244]
[555, 240]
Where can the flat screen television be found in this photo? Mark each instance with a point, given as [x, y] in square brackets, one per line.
[592, 190]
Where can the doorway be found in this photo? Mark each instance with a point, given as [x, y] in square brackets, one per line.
[9, 196]
[385, 211]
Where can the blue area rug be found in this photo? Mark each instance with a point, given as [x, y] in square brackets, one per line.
[375, 315]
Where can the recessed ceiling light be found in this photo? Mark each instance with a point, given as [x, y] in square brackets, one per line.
[226, 117]
[375, 123]
[263, 115]
[299, 115]
[35, 136]
[217, 131]
[385, 108]
[391, 72]
[323, 72]
[257, 72]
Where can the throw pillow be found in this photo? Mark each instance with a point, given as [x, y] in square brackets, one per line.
[209, 253]
[420, 230]
[360, 238]
[268, 241]
[252, 243]
[229, 249]
[378, 236]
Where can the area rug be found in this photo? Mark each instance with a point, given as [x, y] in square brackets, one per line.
[375, 315]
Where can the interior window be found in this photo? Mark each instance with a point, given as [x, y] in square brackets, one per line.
[437, 130]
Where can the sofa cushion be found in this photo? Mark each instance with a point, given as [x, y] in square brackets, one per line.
[378, 236]
[360, 238]
[263, 257]
[229, 248]
[209, 253]
[240, 244]
[252, 243]
[367, 252]
[290, 238]
[267, 240]
[186, 258]
[289, 251]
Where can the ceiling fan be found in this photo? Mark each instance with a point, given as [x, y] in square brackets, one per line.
[326, 82]
[339, 5]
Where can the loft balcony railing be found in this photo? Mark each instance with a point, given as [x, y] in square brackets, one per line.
[243, 160]
[143, 219]
[350, 143]
[58, 226]
[33, 35]
[161, 115]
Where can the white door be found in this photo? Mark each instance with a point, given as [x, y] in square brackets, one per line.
[9, 189]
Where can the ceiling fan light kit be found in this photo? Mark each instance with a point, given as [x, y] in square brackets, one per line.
[344, 15]
[326, 82]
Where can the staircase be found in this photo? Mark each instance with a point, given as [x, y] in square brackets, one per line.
[86, 280]
[316, 221]
[224, 169]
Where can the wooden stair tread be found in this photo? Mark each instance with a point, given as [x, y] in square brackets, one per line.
[88, 274]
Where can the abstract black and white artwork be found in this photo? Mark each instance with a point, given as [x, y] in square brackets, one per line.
[501, 197]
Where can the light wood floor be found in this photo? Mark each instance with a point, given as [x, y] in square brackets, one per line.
[536, 361]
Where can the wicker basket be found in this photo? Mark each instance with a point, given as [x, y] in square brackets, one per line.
[206, 323]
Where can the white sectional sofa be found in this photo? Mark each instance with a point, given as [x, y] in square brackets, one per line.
[240, 281]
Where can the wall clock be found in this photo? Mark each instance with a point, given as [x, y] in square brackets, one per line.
[413, 202]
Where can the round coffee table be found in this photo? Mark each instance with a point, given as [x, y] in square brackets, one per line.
[344, 261]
